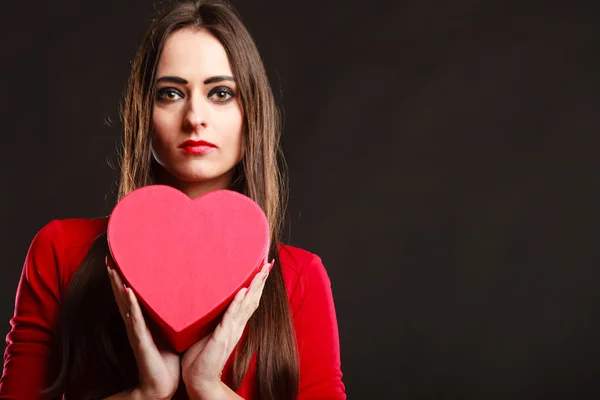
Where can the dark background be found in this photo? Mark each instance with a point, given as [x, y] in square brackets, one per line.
[443, 162]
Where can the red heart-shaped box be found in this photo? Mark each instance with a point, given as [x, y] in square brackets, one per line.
[185, 259]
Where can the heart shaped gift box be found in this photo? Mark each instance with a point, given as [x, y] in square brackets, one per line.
[185, 259]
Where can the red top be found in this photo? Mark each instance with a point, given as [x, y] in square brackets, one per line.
[58, 249]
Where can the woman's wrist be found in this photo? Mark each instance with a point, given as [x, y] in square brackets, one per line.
[205, 391]
[213, 391]
[132, 394]
[138, 394]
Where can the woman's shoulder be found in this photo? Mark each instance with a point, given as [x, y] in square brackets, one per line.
[301, 269]
[72, 232]
[65, 234]
[60, 245]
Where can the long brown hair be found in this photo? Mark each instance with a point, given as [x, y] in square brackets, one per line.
[91, 338]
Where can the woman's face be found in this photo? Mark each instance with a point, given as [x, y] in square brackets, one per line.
[196, 100]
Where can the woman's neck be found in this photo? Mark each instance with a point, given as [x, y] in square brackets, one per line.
[193, 189]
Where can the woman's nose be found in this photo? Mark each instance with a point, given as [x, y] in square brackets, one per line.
[195, 114]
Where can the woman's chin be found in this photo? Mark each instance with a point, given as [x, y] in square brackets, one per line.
[204, 178]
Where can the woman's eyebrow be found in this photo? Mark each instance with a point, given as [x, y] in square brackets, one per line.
[212, 79]
[172, 79]
[219, 78]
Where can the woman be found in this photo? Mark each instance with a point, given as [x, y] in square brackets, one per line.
[199, 115]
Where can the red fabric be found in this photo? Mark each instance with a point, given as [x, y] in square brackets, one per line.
[58, 249]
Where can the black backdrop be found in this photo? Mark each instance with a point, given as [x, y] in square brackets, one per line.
[442, 162]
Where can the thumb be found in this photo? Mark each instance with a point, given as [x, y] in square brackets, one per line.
[194, 350]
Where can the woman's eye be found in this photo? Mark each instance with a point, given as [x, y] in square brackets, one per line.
[168, 94]
[221, 94]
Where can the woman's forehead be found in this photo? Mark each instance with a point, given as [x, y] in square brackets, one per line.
[193, 54]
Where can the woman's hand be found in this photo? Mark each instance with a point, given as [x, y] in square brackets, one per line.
[203, 363]
[159, 369]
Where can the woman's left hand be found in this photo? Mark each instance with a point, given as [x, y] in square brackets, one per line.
[203, 363]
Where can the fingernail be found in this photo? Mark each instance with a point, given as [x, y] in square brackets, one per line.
[271, 265]
[106, 260]
[126, 290]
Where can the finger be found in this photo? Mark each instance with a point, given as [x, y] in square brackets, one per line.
[252, 298]
[241, 309]
[234, 307]
[129, 306]
[112, 273]
[229, 331]
[147, 355]
[146, 352]
[229, 322]
[118, 290]
[259, 279]
[108, 260]
[131, 312]
[190, 354]
[139, 334]
[136, 318]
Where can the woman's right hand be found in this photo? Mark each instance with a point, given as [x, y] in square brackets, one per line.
[159, 369]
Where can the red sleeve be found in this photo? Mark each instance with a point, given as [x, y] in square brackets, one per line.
[317, 334]
[32, 326]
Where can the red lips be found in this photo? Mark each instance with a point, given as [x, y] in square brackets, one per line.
[197, 147]
[194, 143]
